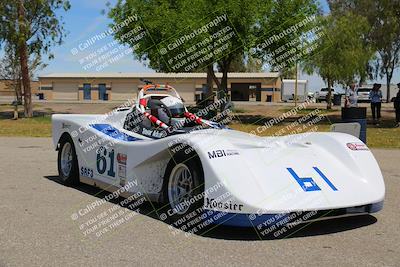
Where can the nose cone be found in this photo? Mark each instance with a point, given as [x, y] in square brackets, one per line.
[313, 172]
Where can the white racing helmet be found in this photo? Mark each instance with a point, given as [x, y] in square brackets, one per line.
[172, 112]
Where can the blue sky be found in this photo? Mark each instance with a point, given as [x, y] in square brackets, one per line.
[85, 20]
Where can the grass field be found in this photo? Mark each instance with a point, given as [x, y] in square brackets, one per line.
[41, 127]
[34, 127]
[376, 137]
[305, 111]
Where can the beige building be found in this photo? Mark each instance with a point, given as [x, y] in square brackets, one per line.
[7, 88]
[264, 87]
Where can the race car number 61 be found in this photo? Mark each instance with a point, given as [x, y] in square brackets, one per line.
[101, 161]
[308, 184]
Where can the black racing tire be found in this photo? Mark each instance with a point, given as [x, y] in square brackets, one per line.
[170, 213]
[68, 176]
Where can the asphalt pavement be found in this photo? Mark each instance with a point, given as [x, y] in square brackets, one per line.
[38, 227]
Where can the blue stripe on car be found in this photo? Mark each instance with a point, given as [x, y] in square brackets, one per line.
[114, 132]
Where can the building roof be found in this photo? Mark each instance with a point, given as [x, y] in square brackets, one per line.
[293, 81]
[160, 75]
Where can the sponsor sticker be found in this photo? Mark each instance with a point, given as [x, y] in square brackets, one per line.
[65, 126]
[357, 146]
[121, 158]
[87, 172]
[222, 153]
[154, 133]
[121, 171]
[228, 205]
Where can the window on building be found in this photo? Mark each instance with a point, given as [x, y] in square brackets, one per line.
[102, 91]
[87, 88]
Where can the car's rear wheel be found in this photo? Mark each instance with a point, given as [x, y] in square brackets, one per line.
[68, 169]
[183, 187]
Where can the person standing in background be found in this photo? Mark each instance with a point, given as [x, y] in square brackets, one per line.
[351, 97]
[375, 95]
[396, 104]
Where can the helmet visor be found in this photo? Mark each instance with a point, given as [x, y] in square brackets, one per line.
[177, 112]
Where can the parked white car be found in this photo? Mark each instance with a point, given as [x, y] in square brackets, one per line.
[321, 95]
[363, 94]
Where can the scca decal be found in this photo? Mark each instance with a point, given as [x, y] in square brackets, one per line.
[221, 153]
[88, 172]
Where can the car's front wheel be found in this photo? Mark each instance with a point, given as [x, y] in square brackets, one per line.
[68, 169]
[184, 187]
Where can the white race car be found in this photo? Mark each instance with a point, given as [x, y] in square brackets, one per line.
[158, 148]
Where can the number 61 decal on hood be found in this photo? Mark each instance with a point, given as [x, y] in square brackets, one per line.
[308, 183]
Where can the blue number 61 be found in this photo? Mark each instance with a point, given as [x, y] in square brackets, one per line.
[308, 184]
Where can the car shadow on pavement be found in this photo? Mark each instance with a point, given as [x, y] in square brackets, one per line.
[256, 233]
[316, 228]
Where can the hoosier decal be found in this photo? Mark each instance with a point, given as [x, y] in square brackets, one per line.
[229, 205]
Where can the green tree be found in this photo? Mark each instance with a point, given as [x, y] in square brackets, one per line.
[283, 30]
[246, 63]
[33, 27]
[166, 21]
[341, 55]
[384, 34]
[10, 70]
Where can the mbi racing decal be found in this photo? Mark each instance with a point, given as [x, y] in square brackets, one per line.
[222, 153]
[121, 159]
